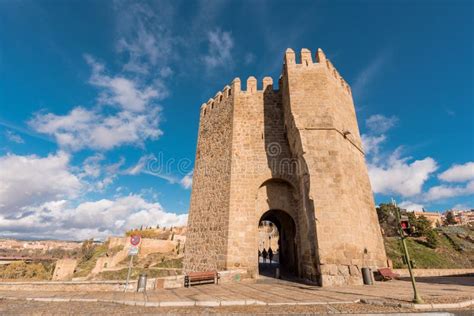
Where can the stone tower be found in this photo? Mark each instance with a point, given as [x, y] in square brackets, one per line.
[292, 156]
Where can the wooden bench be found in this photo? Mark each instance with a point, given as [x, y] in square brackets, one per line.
[192, 278]
[387, 274]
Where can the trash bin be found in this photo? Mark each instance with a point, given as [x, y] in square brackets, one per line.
[367, 276]
[141, 285]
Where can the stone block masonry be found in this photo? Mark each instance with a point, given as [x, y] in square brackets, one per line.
[292, 156]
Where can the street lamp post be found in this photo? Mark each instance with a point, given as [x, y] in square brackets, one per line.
[417, 298]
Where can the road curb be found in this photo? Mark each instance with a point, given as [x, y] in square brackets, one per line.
[216, 303]
[212, 303]
[432, 306]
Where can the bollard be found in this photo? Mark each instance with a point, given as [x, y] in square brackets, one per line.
[141, 285]
[367, 276]
[277, 273]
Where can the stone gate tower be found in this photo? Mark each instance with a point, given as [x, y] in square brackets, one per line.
[292, 156]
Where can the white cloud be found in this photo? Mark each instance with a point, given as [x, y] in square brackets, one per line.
[368, 74]
[144, 36]
[380, 124]
[151, 165]
[458, 173]
[32, 180]
[411, 206]
[98, 174]
[97, 219]
[393, 174]
[371, 144]
[443, 191]
[377, 125]
[89, 128]
[122, 92]
[11, 136]
[249, 58]
[82, 128]
[401, 177]
[462, 206]
[220, 49]
[187, 180]
[91, 166]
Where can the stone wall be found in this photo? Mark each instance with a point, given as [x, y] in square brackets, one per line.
[149, 246]
[64, 269]
[206, 238]
[324, 135]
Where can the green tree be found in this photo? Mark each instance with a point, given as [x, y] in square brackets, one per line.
[411, 219]
[423, 226]
[450, 219]
[386, 213]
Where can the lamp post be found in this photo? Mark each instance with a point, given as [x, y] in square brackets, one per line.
[417, 298]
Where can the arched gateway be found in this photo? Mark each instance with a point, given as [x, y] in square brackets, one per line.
[284, 250]
[275, 203]
[291, 156]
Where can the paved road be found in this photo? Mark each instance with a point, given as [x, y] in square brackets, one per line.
[433, 290]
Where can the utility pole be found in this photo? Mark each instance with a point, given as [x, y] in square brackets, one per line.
[417, 299]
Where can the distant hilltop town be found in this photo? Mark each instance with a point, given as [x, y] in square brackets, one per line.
[449, 217]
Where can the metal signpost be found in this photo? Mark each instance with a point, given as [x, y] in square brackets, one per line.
[132, 251]
[417, 299]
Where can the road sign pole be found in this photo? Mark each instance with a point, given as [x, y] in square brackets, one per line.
[129, 271]
[417, 298]
[132, 251]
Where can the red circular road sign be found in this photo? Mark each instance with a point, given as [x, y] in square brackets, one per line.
[135, 239]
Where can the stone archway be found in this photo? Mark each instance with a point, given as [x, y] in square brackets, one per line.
[287, 248]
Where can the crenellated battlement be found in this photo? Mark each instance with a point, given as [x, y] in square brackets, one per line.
[235, 88]
[306, 60]
[216, 101]
[291, 60]
[252, 85]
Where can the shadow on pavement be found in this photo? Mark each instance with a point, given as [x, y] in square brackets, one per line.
[457, 280]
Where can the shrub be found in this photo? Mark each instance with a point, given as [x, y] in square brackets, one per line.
[87, 249]
[432, 239]
[23, 270]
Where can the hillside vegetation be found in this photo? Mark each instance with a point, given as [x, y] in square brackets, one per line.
[455, 249]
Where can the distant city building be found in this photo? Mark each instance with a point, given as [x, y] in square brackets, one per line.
[435, 218]
[462, 217]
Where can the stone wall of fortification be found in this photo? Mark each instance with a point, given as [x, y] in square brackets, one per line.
[296, 150]
[324, 135]
[206, 244]
[258, 144]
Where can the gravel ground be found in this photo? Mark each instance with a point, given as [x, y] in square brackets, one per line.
[16, 307]
[445, 300]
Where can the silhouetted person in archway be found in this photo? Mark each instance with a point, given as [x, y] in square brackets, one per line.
[264, 255]
[270, 254]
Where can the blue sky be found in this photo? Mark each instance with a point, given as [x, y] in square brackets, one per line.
[96, 96]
